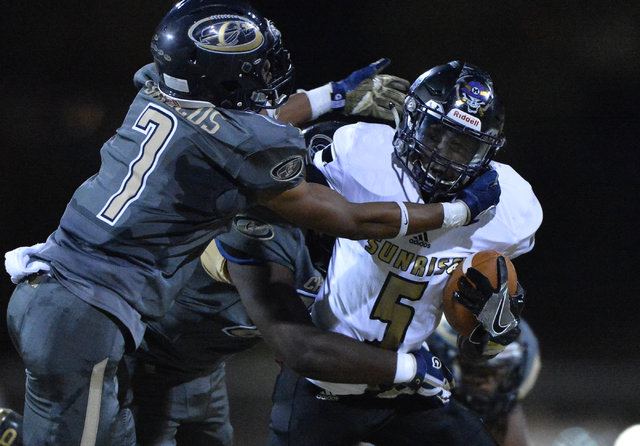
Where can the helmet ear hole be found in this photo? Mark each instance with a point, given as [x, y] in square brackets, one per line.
[193, 58]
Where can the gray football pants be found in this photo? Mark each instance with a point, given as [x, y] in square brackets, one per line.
[170, 408]
[71, 351]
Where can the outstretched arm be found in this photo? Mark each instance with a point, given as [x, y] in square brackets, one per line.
[317, 207]
[364, 93]
[269, 296]
[296, 111]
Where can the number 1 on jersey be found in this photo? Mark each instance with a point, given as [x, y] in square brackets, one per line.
[159, 126]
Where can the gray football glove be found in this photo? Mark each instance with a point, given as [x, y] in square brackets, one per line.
[496, 309]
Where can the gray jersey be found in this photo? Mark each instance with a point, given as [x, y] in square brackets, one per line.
[170, 180]
[207, 321]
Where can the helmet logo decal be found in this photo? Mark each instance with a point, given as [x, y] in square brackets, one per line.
[474, 95]
[464, 118]
[226, 34]
[288, 169]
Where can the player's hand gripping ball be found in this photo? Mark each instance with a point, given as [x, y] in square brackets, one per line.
[460, 318]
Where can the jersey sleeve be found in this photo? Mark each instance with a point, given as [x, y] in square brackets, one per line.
[518, 214]
[254, 240]
[356, 164]
[270, 154]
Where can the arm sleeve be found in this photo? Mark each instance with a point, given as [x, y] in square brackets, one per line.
[272, 158]
[255, 152]
[273, 168]
[519, 214]
[254, 241]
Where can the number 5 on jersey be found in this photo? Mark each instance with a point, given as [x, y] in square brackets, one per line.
[389, 308]
[159, 126]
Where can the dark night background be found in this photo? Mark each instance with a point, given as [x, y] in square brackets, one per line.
[567, 72]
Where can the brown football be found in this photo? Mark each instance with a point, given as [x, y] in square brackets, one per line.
[461, 319]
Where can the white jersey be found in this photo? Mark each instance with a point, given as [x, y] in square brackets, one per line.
[389, 292]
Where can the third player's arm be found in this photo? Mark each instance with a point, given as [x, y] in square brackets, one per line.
[269, 296]
[517, 431]
[296, 111]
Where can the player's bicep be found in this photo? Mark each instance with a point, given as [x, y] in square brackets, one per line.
[517, 431]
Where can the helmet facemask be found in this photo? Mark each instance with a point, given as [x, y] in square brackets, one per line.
[441, 155]
[450, 130]
[491, 387]
[482, 391]
[275, 71]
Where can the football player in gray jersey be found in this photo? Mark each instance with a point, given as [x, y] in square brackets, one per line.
[191, 153]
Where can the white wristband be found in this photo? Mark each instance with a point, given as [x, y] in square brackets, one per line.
[404, 219]
[455, 214]
[406, 368]
[320, 100]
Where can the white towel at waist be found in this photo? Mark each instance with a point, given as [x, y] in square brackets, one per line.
[19, 263]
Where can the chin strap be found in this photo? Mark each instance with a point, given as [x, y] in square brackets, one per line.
[396, 115]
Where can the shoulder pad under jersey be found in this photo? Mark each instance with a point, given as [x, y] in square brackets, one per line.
[517, 217]
[359, 160]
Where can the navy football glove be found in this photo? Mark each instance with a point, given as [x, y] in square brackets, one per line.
[367, 93]
[482, 195]
[432, 378]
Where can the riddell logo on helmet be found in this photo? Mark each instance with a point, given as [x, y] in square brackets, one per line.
[465, 119]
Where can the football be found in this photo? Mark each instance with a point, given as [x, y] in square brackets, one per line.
[461, 319]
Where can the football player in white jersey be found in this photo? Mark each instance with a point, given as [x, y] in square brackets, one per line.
[389, 292]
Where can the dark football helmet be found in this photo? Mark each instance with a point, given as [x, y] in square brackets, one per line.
[492, 387]
[10, 427]
[450, 129]
[222, 52]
